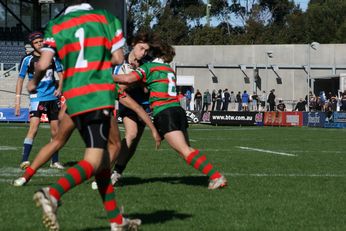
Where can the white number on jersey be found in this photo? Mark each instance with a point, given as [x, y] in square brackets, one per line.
[81, 62]
[172, 89]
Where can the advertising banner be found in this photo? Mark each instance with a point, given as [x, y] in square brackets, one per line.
[314, 119]
[283, 118]
[335, 125]
[205, 117]
[339, 117]
[193, 116]
[7, 115]
[236, 118]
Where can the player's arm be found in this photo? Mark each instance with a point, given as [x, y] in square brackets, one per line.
[117, 57]
[19, 88]
[58, 91]
[127, 101]
[59, 70]
[40, 68]
[126, 78]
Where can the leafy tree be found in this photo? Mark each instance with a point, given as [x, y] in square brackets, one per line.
[325, 21]
[171, 27]
[182, 22]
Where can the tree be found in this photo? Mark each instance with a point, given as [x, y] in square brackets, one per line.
[325, 21]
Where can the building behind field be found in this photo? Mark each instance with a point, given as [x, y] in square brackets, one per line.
[255, 68]
[252, 68]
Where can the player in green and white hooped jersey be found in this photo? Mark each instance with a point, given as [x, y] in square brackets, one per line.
[169, 117]
[88, 43]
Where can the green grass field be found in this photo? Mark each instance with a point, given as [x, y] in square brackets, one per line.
[279, 179]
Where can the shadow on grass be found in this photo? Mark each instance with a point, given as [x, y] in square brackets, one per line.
[187, 180]
[70, 164]
[160, 216]
[156, 217]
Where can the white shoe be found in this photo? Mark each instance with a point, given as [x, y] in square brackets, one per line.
[94, 185]
[49, 207]
[115, 177]
[128, 224]
[217, 183]
[24, 165]
[56, 165]
[21, 181]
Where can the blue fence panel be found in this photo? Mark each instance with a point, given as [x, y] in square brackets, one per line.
[7, 115]
[314, 119]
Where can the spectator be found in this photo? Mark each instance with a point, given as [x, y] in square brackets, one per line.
[188, 99]
[263, 100]
[281, 106]
[198, 100]
[313, 103]
[213, 98]
[271, 100]
[343, 101]
[245, 101]
[206, 100]
[238, 97]
[233, 101]
[226, 100]
[300, 105]
[182, 99]
[218, 100]
[254, 102]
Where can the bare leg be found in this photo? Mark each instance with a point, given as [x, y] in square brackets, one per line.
[133, 134]
[65, 129]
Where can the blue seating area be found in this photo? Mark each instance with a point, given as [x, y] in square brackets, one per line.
[11, 52]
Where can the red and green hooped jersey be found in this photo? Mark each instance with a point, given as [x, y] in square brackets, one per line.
[161, 82]
[84, 40]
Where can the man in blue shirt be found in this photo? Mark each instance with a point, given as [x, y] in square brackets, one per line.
[245, 101]
[44, 100]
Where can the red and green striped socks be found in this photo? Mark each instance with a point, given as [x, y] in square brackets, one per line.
[106, 191]
[200, 162]
[73, 177]
[29, 172]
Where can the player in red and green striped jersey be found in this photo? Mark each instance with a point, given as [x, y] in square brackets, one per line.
[169, 117]
[88, 43]
[66, 127]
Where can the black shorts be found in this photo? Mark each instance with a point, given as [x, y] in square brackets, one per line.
[94, 128]
[51, 108]
[171, 119]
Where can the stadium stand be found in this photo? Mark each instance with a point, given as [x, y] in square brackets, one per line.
[11, 53]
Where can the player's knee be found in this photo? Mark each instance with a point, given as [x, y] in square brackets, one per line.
[130, 137]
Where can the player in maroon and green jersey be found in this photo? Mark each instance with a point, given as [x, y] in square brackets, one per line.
[88, 42]
[169, 117]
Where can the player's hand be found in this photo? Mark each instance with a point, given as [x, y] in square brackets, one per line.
[31, 87]
[157, 139]
[57, 93]
[17, 110]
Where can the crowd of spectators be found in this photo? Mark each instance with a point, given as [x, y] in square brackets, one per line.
[225, 100]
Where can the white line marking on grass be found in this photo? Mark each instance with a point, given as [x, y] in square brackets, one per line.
[266, 151]
[10, 171]
[7, 148]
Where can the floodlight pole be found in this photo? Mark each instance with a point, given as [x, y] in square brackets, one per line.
[268, 54]
[314, 46]
[208, 13]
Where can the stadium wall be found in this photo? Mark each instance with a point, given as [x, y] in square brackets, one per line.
[292, 60]
[328, 60]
